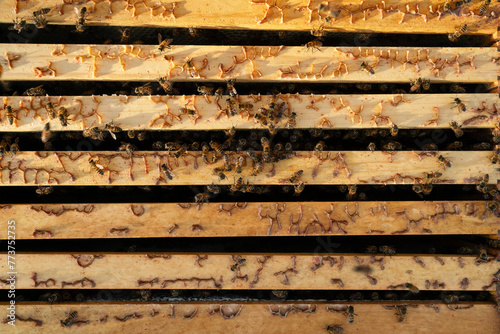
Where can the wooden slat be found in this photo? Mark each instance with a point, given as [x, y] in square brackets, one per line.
[254, 317]
[327, 111]
[213, 271]
[148, 220]
[342, 64]
[143, 168]
[390, 16]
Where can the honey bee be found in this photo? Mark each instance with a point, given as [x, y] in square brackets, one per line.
[231, 106]
[238, 184]
[392, 146]
[394, 130]
[216, 147]
[430, 147]
[447, 6]
[460, 105]
[181, 151]
[39, 18]
[281, 294]
[238, 263]
[299, 188]
[483, 254]
[413, 289]
[455, 88]
[69, 319]
[230, 87]
[19, 24]
[142, 135]
[291, 122]
[164, 43]
[99, 169]
[426, 84]
[349, 313]
[363, 86]
[81, 15]
[401, 313]
[415, 85]
[205, 90]
[319, 147]
[112, 128]
[35, 91]
[4, 147]
[46, 133]
[14, 148]
[352, 189]
[44, 190]
[239, 164]
[456, 145]
[266, 149]
[231, 132]
[131, 134]
[318, 32]
[367, 68]
[50, 109]
[63, 116]
[219, 92]
[166, 85]
[484, 6]
[456, 128]
[125, 35]
[167, 171]
[10, 114]
[213, 189]
[259, 166]
[481, 146]
[433, 175]
[444, 162]
[219, 173]
[418, 188]
[332, 12]
[296, 176]
[201, 197]
[334, 329]
[372, 147]
[315, 44]
[190, 69]
[204, 153]
[193, 31]
[387, 250]
[127, 147]
[458, 32]
[227, 163]
[144, 89]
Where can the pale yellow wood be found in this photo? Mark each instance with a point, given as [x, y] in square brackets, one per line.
[143, 168]
[327, 111]
[214, 271]
[253, 317]
[149, 220]
[331, 64]
[370, 15]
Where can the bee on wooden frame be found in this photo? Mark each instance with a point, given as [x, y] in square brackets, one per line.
[315, 44]
[63, 116]
[125, 35]
[164, 43]
[69, 319]
[458, 32]
[367, 68]
[99, 169]
[19, 25]
[460, 105]
[81, 15]
[39, 19]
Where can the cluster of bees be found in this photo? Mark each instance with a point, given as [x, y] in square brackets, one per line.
[40, 21]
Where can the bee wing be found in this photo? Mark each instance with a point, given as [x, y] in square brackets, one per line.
[159, 38]
[168, 41]
[112, 134]
[99, 166]
[77, 11]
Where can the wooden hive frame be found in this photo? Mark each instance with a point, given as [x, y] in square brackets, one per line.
[453, 292]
